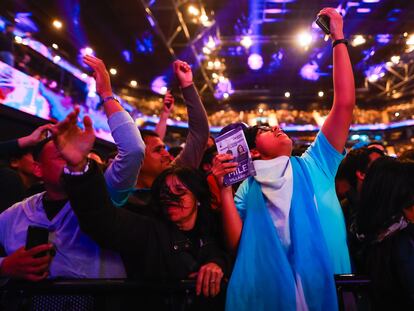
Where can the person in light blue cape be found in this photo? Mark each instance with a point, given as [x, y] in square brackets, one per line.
[285, 224]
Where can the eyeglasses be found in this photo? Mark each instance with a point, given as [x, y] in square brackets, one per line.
[264, 128]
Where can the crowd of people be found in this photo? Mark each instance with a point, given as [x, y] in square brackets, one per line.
[274, 241]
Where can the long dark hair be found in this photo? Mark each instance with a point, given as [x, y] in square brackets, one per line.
[387, 190]
[195, 181]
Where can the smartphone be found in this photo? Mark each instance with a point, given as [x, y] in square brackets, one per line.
[323, 22]
[37, 236]
[168, 103]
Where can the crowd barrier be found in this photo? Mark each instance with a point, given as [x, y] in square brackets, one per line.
[121, 294]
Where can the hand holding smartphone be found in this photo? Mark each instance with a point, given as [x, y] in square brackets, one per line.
[323, 22]
[37, 236]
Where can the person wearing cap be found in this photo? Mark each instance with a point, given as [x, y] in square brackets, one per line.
[285, 224]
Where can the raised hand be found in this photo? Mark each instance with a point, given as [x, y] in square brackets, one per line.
[222, 166]
[101, 75]
[73, 143]
[335, 23]
[168, 103]
[23, 265]
[35, 137]
[208, 279]
[183, 73]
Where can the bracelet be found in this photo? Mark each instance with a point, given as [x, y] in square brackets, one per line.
[104, 100]
[67, 171]
[336, 42]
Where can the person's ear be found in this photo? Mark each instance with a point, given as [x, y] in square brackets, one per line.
[37, 169]
[255, 154]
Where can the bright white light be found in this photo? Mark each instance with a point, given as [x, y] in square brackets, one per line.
[84, 76]
[260, 110]
[210, 65]
[226, 95]
[204, 18]
[214, 75]
[397, 114]
[56, 58]
[86, 51]
[57, 24]
[304, 39]
[321, 93]
[18, 39]
[113, 71]
[133, 83]
[211, 44]
[255, 61]
[55, 46]
[363, 10]
[206, 50]
[371, 1]
[246, 41]
[163, 90]
[217, 64]
[410, 40]
[358, 40]
[287, 94]
[373, 78]
[193, 10]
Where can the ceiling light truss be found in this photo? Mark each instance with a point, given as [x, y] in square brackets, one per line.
[170, 40]
[398, 82]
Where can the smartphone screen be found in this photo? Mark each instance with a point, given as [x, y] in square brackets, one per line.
[36, 236]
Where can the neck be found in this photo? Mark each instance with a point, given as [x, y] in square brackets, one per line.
[188, 223]
[55, 194]
[145, 181]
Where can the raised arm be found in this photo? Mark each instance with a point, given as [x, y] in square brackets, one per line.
[232, 223]
[110, 227]
[167, 108]
[198, 129]
[336, 126]
[121, 175]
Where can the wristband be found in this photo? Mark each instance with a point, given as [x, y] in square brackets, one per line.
[105, 99]
[67, 171]
[336, 42]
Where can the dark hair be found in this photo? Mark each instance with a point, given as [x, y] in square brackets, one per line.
[208, 156]
[148, 133]
[195, 181]
[250, 133]
[355, 160]
[387, 190]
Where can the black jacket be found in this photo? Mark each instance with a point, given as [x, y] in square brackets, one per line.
[150, 247]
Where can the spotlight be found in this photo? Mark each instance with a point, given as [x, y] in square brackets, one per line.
[84, 76]
[193, 10]
[287, 94]
[210, 65]
[246, 41]
[217, 64]
[133, 83]
[226, 95]
[163, 90]
[410, 40]
[255, 61]
[113, 71]
[397, 114]
[358, 40]
[204, 20]
[304, 39]
[18, 39]
[395, 59]
[321, 93]
[87, 51]
[373, 78]
[211, 44]
[214, 75]
[206, 50]
[55, 46]
[56, 58]
[57, 24]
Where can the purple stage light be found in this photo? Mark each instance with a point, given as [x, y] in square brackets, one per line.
[363, 10]
[310, 71]
[159, 85]
[383, 38]
[255, 61]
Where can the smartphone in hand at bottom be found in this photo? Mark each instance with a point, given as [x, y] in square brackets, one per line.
[37, 236]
